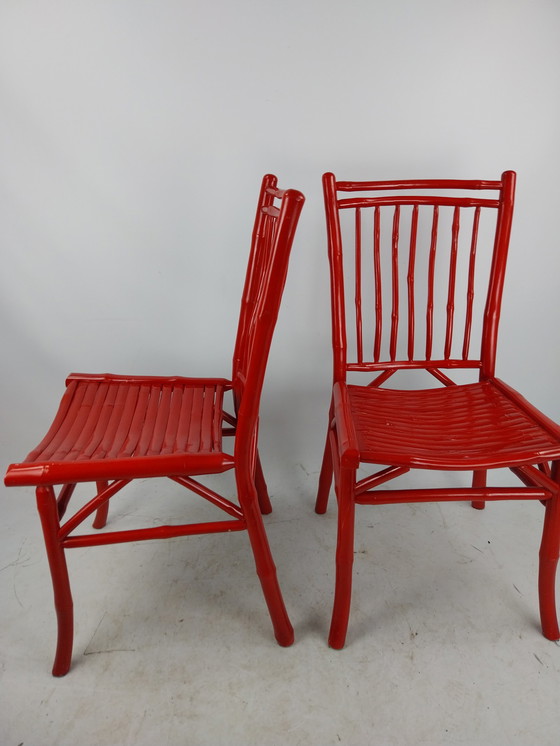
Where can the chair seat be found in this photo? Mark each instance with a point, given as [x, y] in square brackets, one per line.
[110, 427]
[456, 427]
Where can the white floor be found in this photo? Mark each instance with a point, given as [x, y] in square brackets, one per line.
[173, 643]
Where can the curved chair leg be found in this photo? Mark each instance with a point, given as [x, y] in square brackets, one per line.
[479, 480]
[262, 490]
[326, 475]
[266, 570]
[344, 560]
[548, 562]
[48, 512]
[103, 511]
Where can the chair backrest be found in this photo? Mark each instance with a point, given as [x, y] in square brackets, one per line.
[273, 233]
[417, 271]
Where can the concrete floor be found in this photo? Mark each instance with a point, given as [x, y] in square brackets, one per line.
[173, 643]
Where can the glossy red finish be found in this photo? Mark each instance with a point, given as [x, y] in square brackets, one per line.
[112, 429]
[415, 279]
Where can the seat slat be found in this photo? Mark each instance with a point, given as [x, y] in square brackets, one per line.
[80, 414]
[207, 430]
[149, 421]
[95, 415]
[126, 416]
[138, 417]
[219, 419]
[161, 420]
[184, 420]
[195, 425]
[172, 424]
[115, 422]
[101, 426]
[61, 426]
[47, 441]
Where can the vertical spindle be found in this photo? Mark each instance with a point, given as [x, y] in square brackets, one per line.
[358, 285]
[470, 285]
[395, 284]
[377, 284]
[431, 274]
[410, 280]
[452, 281]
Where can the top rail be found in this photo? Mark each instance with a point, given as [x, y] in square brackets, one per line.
[358, 186]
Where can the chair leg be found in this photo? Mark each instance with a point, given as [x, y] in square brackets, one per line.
[103, 511]
[344, 560]
[48, 512]
[479, 480]
[325, 478]
[262, 490]
[266, 570]
[548, 562]
[64, 498]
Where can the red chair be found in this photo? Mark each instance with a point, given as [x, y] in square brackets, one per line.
[112, 429]
[417, 272]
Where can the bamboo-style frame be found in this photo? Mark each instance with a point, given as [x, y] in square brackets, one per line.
[489, 424]
[112, 429]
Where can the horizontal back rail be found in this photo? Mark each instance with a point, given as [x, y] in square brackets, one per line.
[369, 186]
[360, 202]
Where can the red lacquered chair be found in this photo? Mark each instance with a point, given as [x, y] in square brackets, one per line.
[417, 272]
[112, 429]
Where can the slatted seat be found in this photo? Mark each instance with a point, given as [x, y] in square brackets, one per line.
[406, 428]
[417, 274]
[112, 429]
[115, 427]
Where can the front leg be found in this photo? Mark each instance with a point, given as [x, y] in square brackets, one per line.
[548, 561]
[48, 512]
